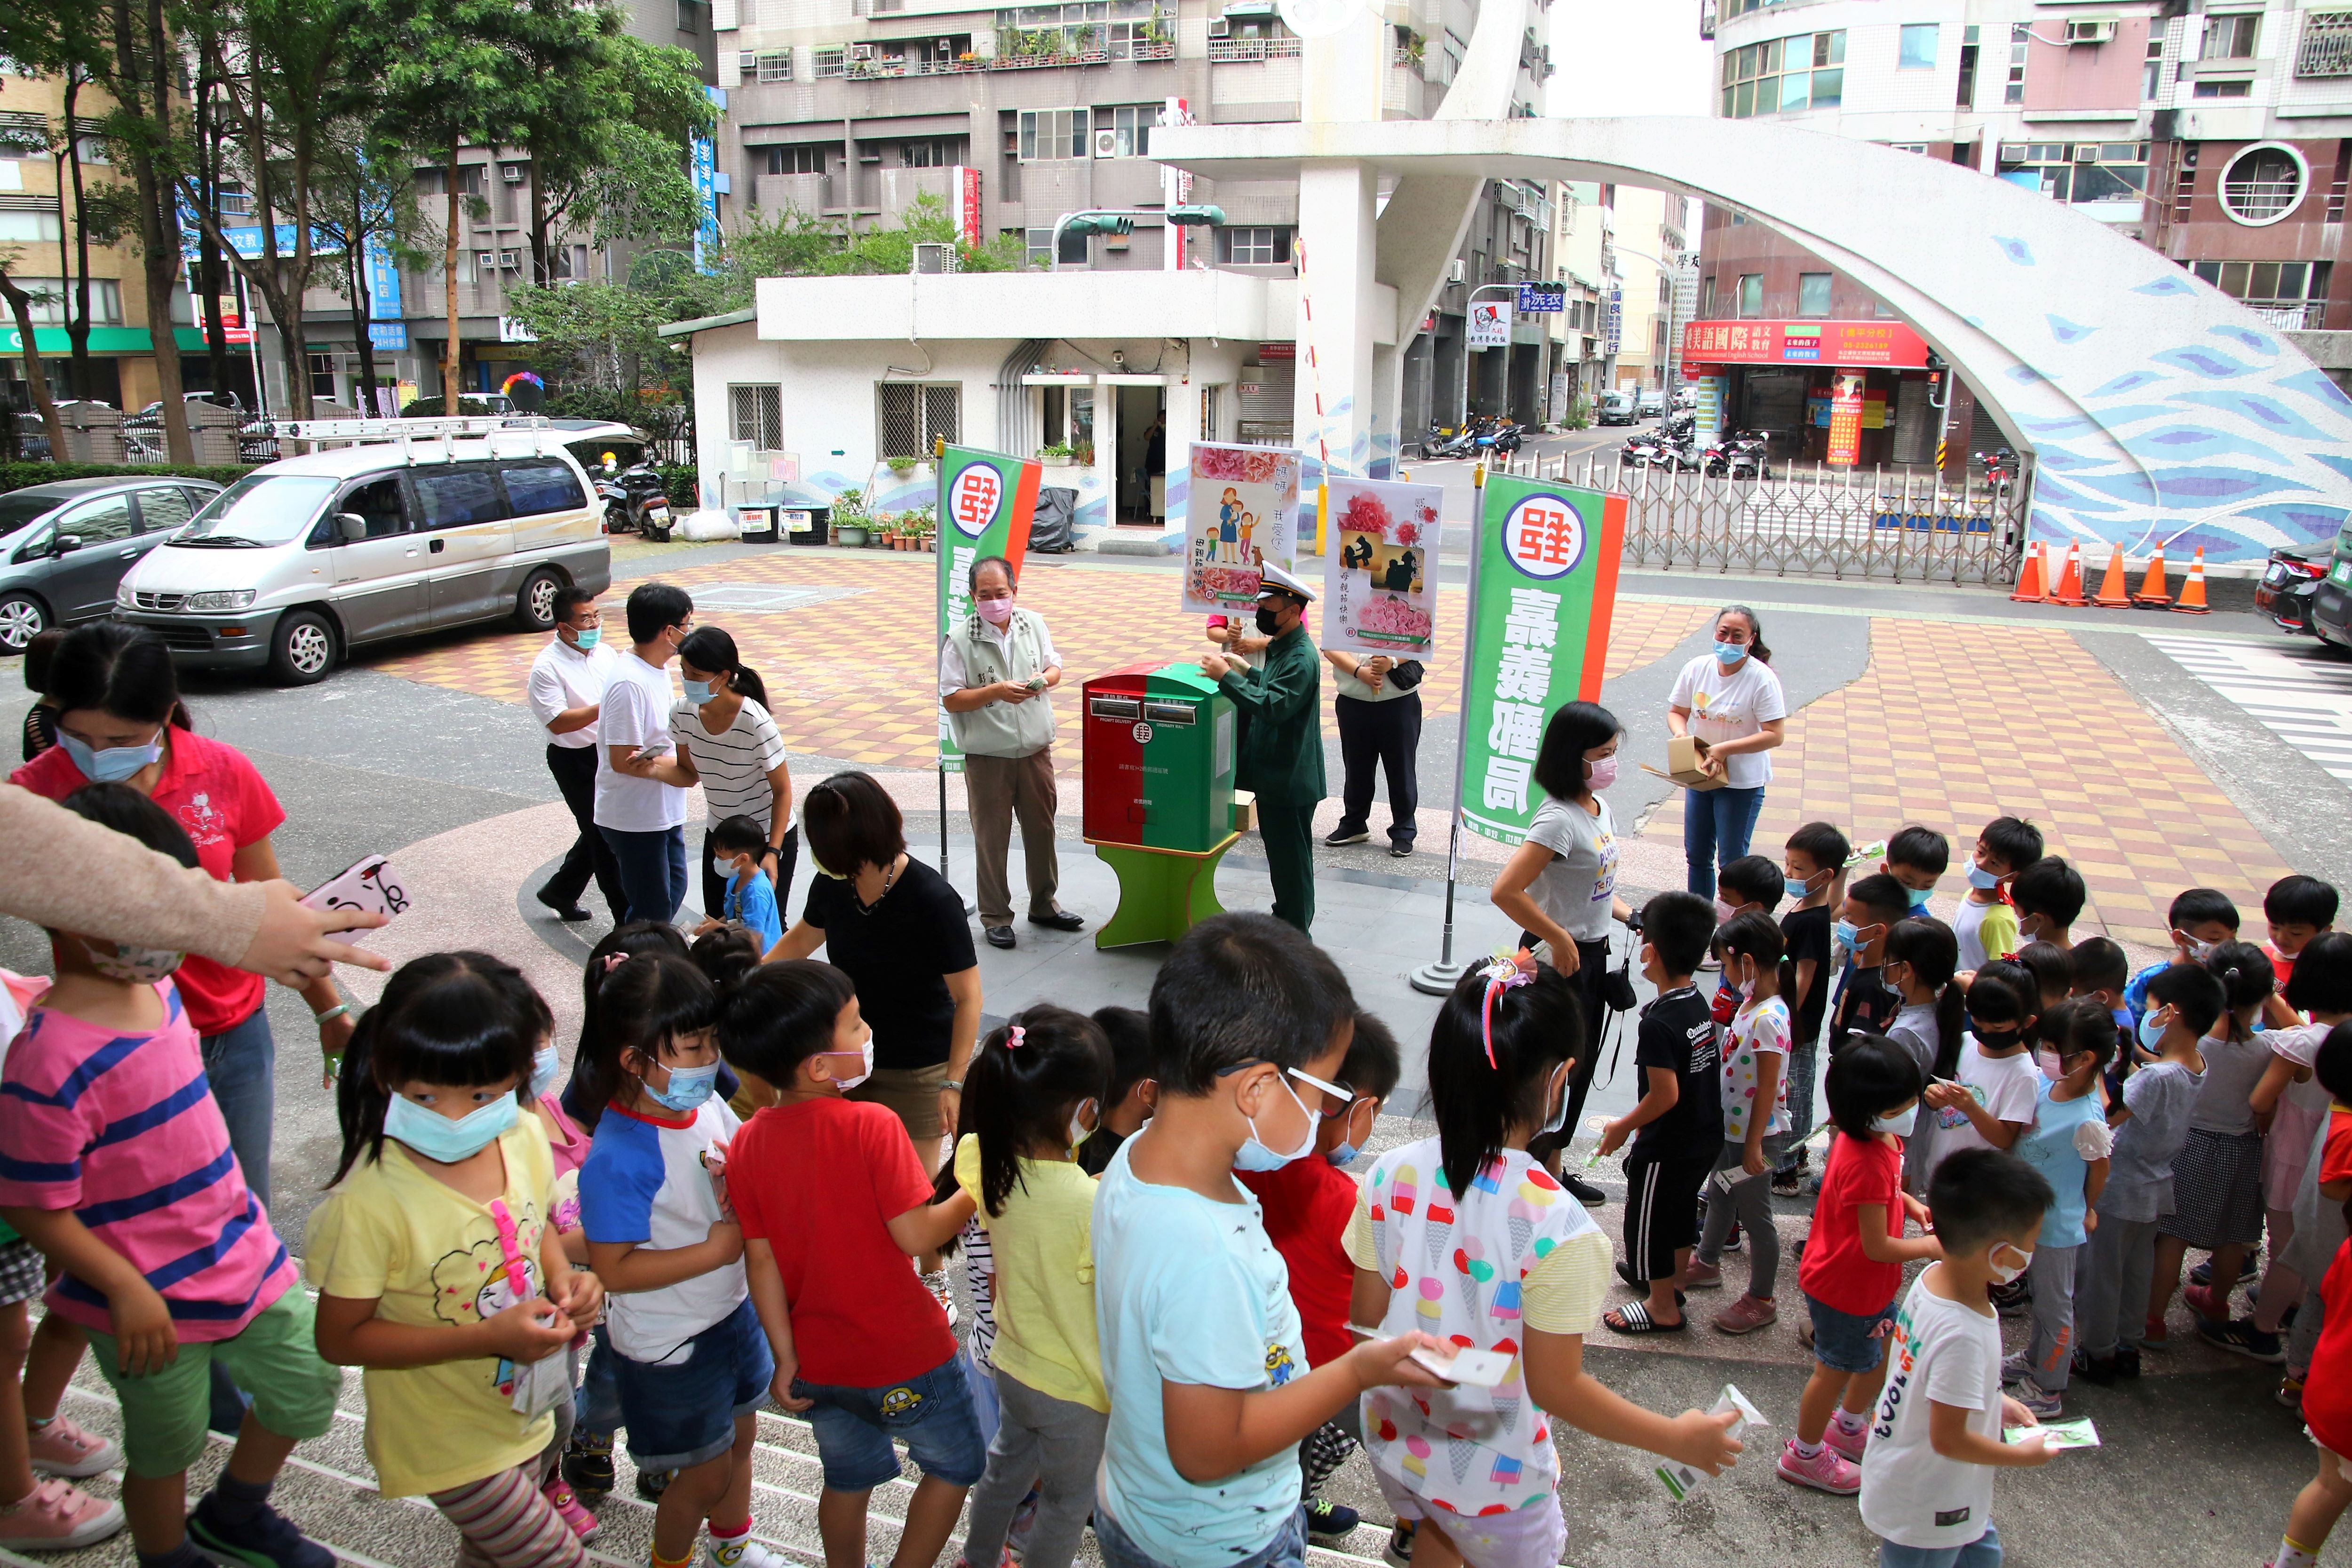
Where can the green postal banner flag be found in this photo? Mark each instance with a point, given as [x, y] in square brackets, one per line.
[986, 502]
[1543, 590]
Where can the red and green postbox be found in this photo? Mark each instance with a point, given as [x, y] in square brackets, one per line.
[1160, 746]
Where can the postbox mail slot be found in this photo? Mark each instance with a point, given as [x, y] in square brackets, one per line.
[1122, 710]
[1168, 712]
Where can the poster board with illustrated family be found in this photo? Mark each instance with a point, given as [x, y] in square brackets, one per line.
[1241, 513]
[1379, 566]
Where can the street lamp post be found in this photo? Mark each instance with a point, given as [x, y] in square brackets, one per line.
[1121, 220]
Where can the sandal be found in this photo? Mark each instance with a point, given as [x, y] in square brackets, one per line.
[1634, 1318]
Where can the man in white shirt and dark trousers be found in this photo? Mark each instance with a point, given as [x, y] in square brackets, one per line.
[640, 789]
[567, 683]
[994, 672]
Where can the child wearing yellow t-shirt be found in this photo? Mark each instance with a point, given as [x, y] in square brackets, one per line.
[1034, 1093]
[438, 1270]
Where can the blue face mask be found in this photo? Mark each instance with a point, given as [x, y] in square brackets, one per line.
[439, 1138]
[1918, 902]
[698, 692]
[1845, 934]
[1795, 887]
[2151, 1031]
[543, 1066]
[688, 1088]
[116, 762]
[588, 638]
[1901, 1125]
[1254, 1155]
[1727, 654]
[1982, 879]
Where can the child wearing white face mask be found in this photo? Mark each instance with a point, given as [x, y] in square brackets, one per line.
[1927, 1475]
[2200, 920]
[1755, 1123]
[688, 1356]
[750, 901]
[2069, 1143]
[1852, 1269]
[1034, 1096]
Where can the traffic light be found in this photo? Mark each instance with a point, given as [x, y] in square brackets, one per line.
[1214, 218]
[1100, 223]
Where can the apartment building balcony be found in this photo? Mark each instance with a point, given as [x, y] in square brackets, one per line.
[1228, 51]
[810, 194]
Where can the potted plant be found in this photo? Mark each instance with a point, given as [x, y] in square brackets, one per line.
[1058, 455]
[851, 527]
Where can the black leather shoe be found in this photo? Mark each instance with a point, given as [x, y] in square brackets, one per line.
[999, 936]
[563, 912]
[1060, 919]
[1583, 1191]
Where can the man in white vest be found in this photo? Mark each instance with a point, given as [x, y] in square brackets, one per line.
[995, 670]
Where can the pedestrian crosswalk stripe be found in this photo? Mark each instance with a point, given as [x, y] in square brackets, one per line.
[2301, 691]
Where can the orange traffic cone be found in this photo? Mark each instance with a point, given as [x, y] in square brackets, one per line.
[2031, 577]
[2152, 595]
[2114, 591]
[2193, 591]
[2069, 589]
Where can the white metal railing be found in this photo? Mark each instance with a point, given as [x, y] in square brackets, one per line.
[2305, 317]
[2258, 199]
[1904, 523]
[2325, 50]
[1229, 49]
[448, 432]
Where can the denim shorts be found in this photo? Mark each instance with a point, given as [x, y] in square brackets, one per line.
[932, 1415]
[683, 1414]
[1845, 1342]
[1286, 1550]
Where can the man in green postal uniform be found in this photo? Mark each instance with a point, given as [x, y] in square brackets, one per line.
[994, 672]
[1281, 708]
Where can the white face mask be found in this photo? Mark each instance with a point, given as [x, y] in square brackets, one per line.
[863, 1073]
[2002, 1273]
[723, 867]
[1900, 1123]
[1079, 1130]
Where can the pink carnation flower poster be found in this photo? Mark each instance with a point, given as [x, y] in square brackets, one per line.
[1380, 568]
[1242, 515]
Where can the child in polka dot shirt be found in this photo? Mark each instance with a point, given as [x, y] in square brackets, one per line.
[1755, 1121]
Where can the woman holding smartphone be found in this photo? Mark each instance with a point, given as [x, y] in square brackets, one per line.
[119, 720]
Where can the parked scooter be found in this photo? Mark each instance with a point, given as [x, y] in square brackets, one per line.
[633, 500]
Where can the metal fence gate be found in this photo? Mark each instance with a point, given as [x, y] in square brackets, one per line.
[1899, 524]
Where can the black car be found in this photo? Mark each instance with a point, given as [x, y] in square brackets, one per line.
[2289, 584]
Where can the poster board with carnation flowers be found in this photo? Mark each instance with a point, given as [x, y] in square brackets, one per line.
[1242, 513]
[1380, 568]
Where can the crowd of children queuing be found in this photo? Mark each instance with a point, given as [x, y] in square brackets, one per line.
[702, 1223]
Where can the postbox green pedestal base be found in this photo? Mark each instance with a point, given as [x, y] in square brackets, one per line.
[1163, 893]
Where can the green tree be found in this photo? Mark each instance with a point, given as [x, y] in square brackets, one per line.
[608, 147]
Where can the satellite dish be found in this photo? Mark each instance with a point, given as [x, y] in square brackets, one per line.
[1317, 18]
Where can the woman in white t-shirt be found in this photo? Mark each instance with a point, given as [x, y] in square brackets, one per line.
[1730, 700]
[726, 735]
[1561, 884]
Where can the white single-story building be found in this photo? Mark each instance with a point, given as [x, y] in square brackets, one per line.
[827, 380]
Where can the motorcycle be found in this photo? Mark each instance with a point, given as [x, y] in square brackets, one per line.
[1739, 457]
[1501, 437]
[634, 500]
[2286, 592]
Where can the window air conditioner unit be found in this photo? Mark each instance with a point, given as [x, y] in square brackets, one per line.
[944, 47]
[861, 51]
[510, 259]
[1458, 271]
[1219, 28]
[934, 258]
[2091, 32]
[2086, 151]
[1106, 143]
[511, 174]
[748, 63]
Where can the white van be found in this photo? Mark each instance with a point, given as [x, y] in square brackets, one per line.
[405, 526]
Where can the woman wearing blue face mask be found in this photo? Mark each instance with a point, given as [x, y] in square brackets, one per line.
[120, 720]
[688, 1352]
[1730, 700]
[727, 737]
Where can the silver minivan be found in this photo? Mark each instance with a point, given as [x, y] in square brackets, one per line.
[305, 559]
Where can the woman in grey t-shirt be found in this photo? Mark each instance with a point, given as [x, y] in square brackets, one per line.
[1560, 885]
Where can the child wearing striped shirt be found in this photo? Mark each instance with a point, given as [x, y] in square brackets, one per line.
[115, 1162]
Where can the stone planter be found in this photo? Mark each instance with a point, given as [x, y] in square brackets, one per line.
[851, 534]
[1064, 461]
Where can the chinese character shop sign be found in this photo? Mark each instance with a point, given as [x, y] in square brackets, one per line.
[1845, 421]
[1869, 343]
[1547, 558]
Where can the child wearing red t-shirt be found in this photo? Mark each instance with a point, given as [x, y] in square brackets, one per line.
[1852, 1269]
[2328, 1411]
[833, 1203]
[1307, 1205]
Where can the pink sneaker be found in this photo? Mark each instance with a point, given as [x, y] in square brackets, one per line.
[1849, 1444]
[1826, 1471]
[1697, 1276]
[62, 1449]
[58, 1517]
[559, 1496]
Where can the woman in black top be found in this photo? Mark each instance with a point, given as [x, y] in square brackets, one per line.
[897, 930]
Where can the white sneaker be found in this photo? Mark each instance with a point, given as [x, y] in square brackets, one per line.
[744, 1553]
[936, 1282]
[2013, 1368]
